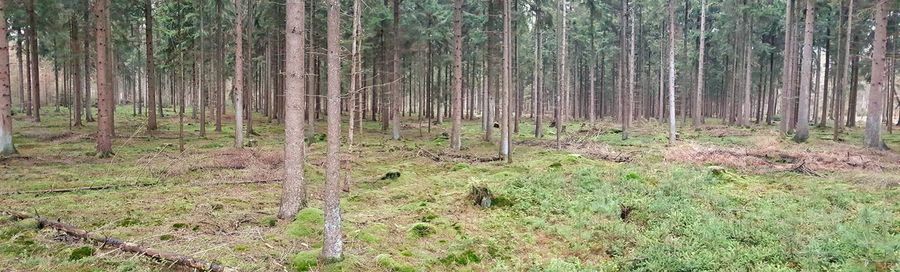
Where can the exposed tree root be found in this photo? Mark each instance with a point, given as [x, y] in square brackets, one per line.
[107, 242]
[442, 156]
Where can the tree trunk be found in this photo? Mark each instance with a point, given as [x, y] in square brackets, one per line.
[506, 86]
[35, 61]
[75, 46]
[455, 141]
[332, 250]
[6, 127]
[806, 74]
[823, 122]
[536, 92]
[629, 97]
[104, 92]
[293, 196]
[698, 98]
[786, 78]
[876, 90]
[220, 68]
[396, 99]
[561, 73]
[671, 72]
[238, 84]
[839, 92]
[151, 67]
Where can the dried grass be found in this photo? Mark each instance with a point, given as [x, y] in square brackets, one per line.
[768, 156]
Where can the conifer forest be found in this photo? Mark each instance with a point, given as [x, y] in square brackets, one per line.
[449, 135]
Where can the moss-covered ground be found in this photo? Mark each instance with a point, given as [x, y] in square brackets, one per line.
[598, 204]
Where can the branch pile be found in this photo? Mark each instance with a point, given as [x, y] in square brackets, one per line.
[107, 242]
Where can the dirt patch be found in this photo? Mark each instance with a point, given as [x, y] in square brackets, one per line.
[586, 148]
[48, 136]
[778, 159]
[250, 160]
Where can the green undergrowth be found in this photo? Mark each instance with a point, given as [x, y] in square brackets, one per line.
[552, 210]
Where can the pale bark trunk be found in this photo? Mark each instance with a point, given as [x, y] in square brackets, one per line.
[671, 72]
[332, 250]
[786, 78]
[238, 84]
[293, 196]
[6, 144]
[876, 90]
[806, 74]
[396, 99]
[561, 72]
[845, 78]
[629, 97]
[506, 85]
[698, 98]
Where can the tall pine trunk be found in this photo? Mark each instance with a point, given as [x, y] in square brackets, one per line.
[293, 196]
[698, 98]
[6, 144]
[455, 141]
[238, 84]
[333, 248]
[876, 91]
[806, 73]
[104, 92]
[671, 9]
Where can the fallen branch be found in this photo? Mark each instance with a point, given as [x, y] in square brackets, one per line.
[430, 155]
[107, 242]
[78, 189]
[803, 169]
[108, 187]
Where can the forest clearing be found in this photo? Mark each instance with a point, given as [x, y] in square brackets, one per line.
[449, 135]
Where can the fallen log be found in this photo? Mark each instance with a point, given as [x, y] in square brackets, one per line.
[107, 242]
[78, 189]
[113, 186]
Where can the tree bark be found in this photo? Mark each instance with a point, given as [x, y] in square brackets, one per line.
[75, 46]
[839, 92]
[6, 127]
[293, 197]
[332, 250]
[151, 67]
[506, 88]
[35, 61]
[876, 90]
[671, 72]
[396, 98]
[104, 93]
[698, 98]
[806, 74]
[238, 84]
[455, 141]
[786, 78]
[561, 73]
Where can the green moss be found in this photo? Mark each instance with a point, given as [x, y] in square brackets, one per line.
[81, 253]
[308, 222]
[463, 258]
[306, 260]
[269, 221]
[166, 237]
[422, 229]
[460, 166]
[385, 261]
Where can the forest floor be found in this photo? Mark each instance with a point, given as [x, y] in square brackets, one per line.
[723, 198]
